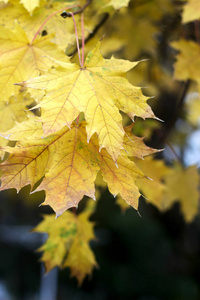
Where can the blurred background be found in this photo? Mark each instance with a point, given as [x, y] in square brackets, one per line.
[152, 256]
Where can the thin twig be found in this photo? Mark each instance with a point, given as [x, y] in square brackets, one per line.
[77, 119]
[177, 113]
[172, 149]
[83, 39]
[197, 31]
[79, 11]
[74, 210]
[77, 42]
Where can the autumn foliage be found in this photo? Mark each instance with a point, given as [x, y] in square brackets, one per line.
[71, 119]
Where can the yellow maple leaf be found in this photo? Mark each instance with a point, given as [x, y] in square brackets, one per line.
[138, 37]
[27, 168]
[139, 20]
[121, 180]
[153, 168]
[20, 59]
[118, 3]
[77, 175]
[29, 129]
[56, 25]
[30, 5]
[122, 204]
[134, 145]
[183, 186]
[191, 11]
[105, 6]
[186, 67]
[75, 181]
[3, 143]
[100, 90]
[153, 189]
[68, 243]
[170, 185]
[82, 261]
[69, 165]
[73, 166]
[13, 111]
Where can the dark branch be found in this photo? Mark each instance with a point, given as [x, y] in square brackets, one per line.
[177, 112]
[65, 14]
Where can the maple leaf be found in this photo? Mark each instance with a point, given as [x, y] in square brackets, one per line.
[153, 189]
[134, 145]
[191, 11]
[170, 185]
[29, 129]
[118, 3]
[30, 5]
[56, 25]
[132, 42]
[68, 243]
[99, 89]
[107, 6]
[122, 204]
[183, 187]
[121, 180]
[185, 66]
[69, 165]
[3, 143]
[20, 59]
[74, 166]
[13, 111]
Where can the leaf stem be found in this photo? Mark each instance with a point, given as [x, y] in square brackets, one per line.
[77, 119]
[83, 39]
[49, 17]
[74, 210]
[92, 34]
[175, 115]
[77, 42]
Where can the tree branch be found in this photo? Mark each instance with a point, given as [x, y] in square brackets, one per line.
[79, 11]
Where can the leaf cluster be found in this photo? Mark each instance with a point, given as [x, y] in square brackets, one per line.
[71, 120]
